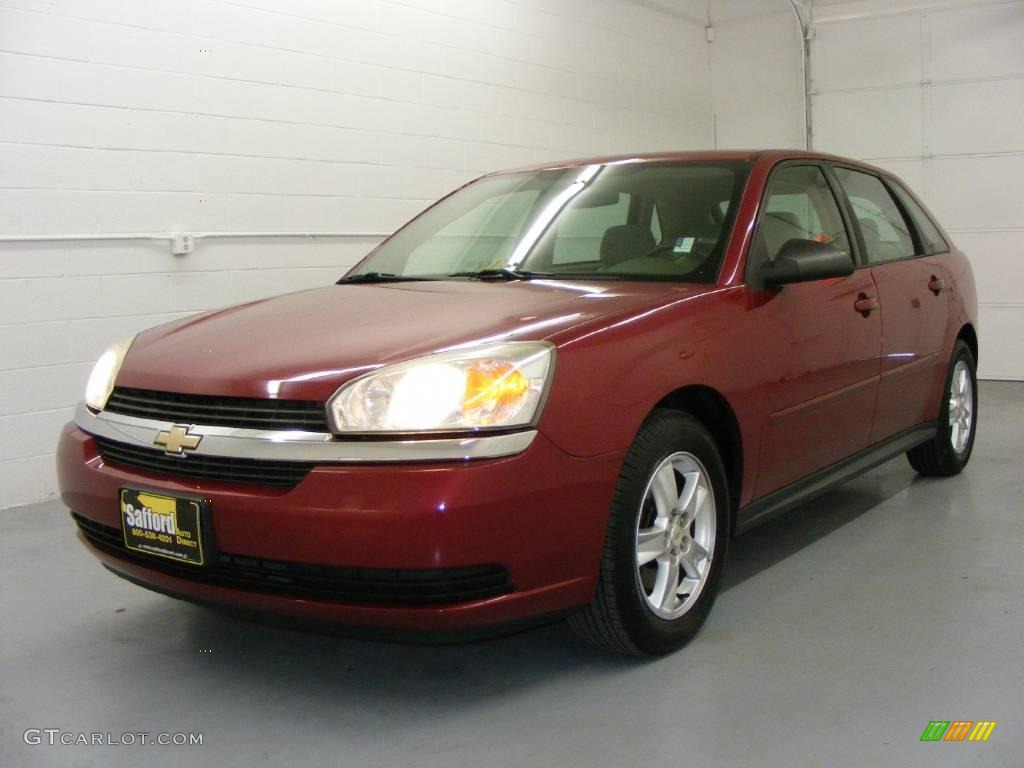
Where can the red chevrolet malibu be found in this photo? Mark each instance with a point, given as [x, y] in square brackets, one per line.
[557, 392]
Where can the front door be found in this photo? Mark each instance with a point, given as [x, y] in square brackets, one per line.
[819, 341]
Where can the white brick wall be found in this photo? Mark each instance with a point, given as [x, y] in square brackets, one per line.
[304, 116]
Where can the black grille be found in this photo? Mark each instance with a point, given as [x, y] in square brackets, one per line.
[322, 582]
[245, 412]
[222, 469]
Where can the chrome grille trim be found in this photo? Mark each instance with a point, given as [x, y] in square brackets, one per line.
[294, 445]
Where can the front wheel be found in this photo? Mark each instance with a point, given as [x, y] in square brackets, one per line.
[950, 450]
[666, 542]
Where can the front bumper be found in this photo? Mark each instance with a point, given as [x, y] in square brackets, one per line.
[540, 516]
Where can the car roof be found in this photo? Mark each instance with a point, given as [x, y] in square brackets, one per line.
[771, 156]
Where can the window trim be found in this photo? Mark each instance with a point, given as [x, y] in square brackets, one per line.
[751, 276]
[915, 236]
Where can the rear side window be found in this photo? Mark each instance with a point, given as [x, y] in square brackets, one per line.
[799, 206]
[886, 234]
[932, 240]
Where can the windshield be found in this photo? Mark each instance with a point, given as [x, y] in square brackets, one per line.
[649, 221]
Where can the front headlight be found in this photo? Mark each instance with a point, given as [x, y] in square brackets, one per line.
[497, 386]
[104, 373]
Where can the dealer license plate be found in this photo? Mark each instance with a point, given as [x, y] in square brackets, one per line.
[163, 526]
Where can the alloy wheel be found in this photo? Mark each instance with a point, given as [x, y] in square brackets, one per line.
[675, 535]
[961, 407]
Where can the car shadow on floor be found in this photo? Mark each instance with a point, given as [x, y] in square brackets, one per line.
[802, 526]
[413, 681]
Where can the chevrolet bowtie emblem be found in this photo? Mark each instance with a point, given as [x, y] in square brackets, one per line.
[177, 440]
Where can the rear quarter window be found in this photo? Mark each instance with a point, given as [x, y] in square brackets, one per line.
[932, 241]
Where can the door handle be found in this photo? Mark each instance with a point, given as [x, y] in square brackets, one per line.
[865, 304]
[936, 285]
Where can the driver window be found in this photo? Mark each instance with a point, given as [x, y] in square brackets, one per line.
[800, 205]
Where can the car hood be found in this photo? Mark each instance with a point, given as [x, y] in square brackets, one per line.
[305, 345]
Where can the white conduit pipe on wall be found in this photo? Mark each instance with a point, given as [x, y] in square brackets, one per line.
[182, 244]
[171, 236]
[805, 55]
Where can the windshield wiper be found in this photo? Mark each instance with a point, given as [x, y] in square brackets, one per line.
[377, 277]
[503, 273]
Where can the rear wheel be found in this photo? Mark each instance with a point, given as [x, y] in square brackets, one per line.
[948, 453]
[666, 541]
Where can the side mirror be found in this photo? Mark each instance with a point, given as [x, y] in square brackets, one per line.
[802, 260]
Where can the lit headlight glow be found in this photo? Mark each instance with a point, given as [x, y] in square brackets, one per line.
[497, 386]
[104, 373]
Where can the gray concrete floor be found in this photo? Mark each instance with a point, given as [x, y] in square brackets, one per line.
[842, 630]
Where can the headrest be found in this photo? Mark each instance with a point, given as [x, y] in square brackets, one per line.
[787, 217]
[625, 242]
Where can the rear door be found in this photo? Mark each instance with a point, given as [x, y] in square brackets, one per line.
[913, 289]
[820, 355]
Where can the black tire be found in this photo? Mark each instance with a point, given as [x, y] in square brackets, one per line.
[619, 619]
[937, 457]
